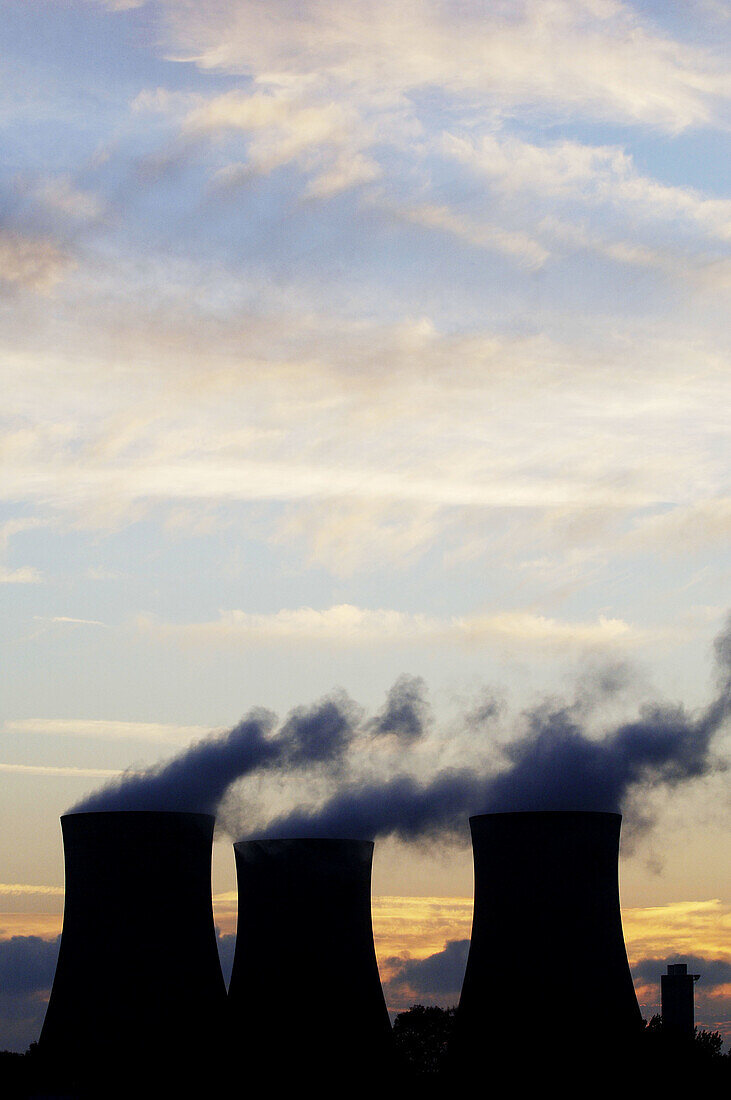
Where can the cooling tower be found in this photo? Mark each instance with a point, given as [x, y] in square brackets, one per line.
[305, 994]
[138, 992]
[547, 982]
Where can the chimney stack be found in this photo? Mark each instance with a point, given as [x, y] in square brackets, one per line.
[678, 1008]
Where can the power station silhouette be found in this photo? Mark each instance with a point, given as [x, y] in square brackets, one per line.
[305, 957]
[546, 933]
[139, 986]
[138, 989]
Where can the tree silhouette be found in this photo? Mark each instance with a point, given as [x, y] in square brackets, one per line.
[421, 1035]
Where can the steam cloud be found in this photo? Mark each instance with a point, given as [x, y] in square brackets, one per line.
[555, 765]
[406, 711]
[197, 780]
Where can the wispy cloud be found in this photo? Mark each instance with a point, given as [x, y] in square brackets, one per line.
[31, 263]
[592, 59]
[323, 139]
[68, 619]
[590, 175]
[107, 729]
[346, 624]
[22, 889]
[60, 770]
[25, 574]
[325, 385]
[518, 246]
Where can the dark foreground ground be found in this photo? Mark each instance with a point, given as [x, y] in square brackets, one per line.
[419, 1065]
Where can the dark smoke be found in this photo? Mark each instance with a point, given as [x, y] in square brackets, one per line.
[319, 735]
[406, 712]
[197, 780]
[401, 806]
[554, 766]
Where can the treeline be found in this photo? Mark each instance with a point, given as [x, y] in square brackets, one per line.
[421, 1057]
[422, 1035]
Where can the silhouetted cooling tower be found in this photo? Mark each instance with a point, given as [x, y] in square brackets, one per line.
[138, 992]
[547, 980]
[305, 994]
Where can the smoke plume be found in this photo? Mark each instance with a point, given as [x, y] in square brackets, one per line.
[197, 780]
[406, 712]
[553, 766]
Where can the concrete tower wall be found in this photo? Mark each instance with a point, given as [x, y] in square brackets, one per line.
[305, 994]
[547, 969]
[138, 985]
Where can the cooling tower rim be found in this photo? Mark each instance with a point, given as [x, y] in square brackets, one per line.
[188, 814]
[546, 813]
[289, 840]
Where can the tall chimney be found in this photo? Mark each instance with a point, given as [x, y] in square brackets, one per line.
[547, 980]
[138, 992]
[678, 1007]
[305, 994]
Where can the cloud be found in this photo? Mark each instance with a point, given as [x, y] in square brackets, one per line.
[194, 781]
[103, 453]
[27, 966]
[319, 734]
[21, 889]
[714, 973]
[120, 5]
[554, 765]
[684, 529]
[69, 619]
[347, 535]
[436, 978]
[590, 59]
[31, 263]
[346, 624]
[60, 770]
[197, 780]
[574, 172]
[406, 713]
[25, 574]
[282, 128]
[681, 928]
[518, 246]
[106, 729]
[59, 194]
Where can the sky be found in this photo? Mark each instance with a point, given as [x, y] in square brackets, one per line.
[368, 360]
